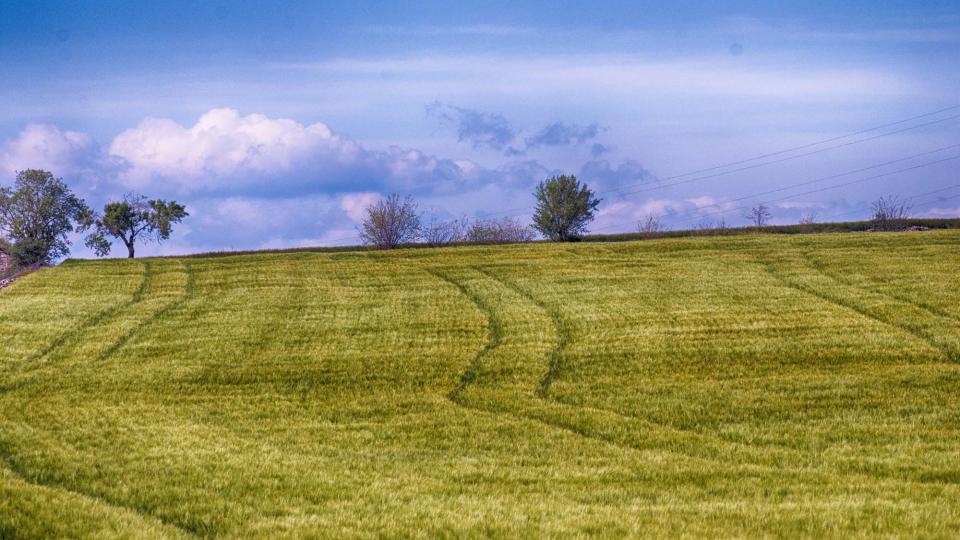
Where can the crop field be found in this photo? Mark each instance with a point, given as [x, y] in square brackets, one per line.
[752, 386]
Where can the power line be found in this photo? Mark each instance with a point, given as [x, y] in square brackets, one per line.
[917, 196]
[821, 179]
[836, 186]
[619, 189]
[514, 212]
[773, 162]
[811, 145]
[819, 190]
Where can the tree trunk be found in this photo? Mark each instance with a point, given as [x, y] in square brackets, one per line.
[130, 250]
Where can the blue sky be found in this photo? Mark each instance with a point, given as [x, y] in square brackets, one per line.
[277, 123]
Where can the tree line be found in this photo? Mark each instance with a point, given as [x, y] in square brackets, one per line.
[564, 208]
[39, 212]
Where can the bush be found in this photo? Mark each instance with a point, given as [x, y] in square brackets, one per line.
[890, 213]
[437, 233]
[499, 231]
[390, 222]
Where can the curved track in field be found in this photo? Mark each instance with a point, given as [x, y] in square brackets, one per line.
[488, 385]
[165, 286]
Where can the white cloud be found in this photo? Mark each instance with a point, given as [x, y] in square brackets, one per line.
[355, 204]
[798, 205]
[224, 145]
[944, 212]
[42, 146]
[225, 152]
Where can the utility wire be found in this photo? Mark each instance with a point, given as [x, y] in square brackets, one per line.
[619, 190]
[816, 180]
[811, 145]
[515, 211]
[773, 162]
[819, 190]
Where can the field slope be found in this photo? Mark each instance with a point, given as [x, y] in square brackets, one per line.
[741, 386]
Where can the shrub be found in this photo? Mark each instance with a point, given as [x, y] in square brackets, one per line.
[499, 230]
[890, 213]
[390, 222]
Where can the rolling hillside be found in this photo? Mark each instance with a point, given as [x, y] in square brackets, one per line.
[741, 386]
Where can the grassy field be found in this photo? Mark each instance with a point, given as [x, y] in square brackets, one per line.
[732, 386]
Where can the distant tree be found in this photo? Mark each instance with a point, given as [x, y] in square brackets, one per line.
[889, 213]
[132, 219]
[501, 230]
[439, 232]
[709, 226]
[390, 222]
[650, 224]
[564, 208]
[808, 219]
[759, 215]
[37, 214]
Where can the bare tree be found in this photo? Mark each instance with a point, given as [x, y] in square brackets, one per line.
[889, 213]
[703, 226]
[439, 232]
[650, 224]
[759, 215]
[499, 230]
[708, 226]
[390, 222]
[808, 219]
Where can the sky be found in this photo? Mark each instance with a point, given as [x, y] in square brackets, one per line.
[277, 123]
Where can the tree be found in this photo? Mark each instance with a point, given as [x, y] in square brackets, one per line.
[650, 224]
[437, 232]
[564, 208]
[808, 219]
[889, 213]
[132, 219]
[501, 230]
[759, 215]
[390, 222]
[37, 214]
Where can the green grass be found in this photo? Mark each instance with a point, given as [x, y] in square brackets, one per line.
[753, 385]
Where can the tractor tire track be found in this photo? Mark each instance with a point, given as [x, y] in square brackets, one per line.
[554, 364]
[841, 302]
[187, 290]
[696, 445]
[545, 411]
[7, 462]
[819, 266]
[96, 319]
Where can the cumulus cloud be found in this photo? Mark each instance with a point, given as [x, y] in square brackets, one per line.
[43, 146]
[225, 152]
[251, 181]
[355, 204]
[224, 148]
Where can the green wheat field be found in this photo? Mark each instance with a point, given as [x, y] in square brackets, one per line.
[747, 386]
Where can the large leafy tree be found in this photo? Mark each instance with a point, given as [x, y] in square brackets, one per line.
[564, 208]
[132, 219]
[38, 213]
